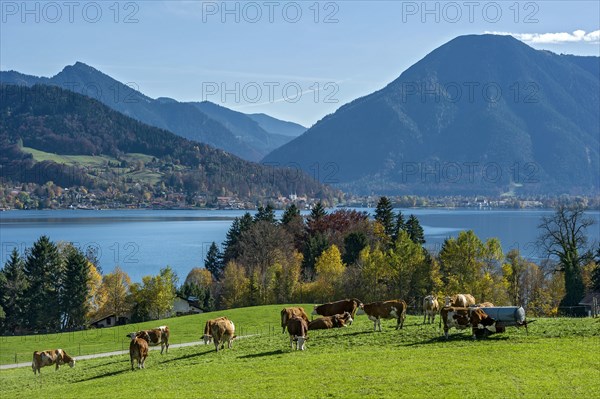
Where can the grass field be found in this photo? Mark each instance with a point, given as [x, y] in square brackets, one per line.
[559, 358]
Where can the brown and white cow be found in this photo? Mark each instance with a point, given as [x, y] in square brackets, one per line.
[395, 309]
[327, 322]
[207, 337]
[460, 300]
[298, 329]
[461, 318]
[430, 308]
[289, 313]
[222, 331]
[339, 307]
[50, 357]
[159, 335]
[138, 349]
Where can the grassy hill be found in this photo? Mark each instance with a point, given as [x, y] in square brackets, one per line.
[558, 358]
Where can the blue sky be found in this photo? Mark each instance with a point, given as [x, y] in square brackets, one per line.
[294, 60]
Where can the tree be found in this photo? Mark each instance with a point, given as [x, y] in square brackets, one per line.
[563, 237]
[291, 212]
[353, 244]
[44, 271]
[329, 268]
[406, 259]
[400, 225]
[266, 214]
[414, 230]
[384, 214]
[314, 247]
[13, 291]
[96, 297]
[115, 287]
[214, 261]
[75, 291]
[513, 271]
[596, 272]
[316, 214]
[239, 225]
[235, 286]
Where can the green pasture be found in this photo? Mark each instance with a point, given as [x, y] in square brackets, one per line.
[558, 358]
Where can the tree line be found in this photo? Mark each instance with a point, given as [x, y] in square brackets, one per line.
[57, 287]
[345, 253]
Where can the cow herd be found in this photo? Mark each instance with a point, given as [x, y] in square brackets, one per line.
[459, 311]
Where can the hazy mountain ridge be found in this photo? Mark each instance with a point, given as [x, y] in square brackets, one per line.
[541, 131]
[184, 119]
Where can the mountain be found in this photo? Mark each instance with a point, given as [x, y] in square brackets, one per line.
[184, 119]
[82, 142]
[244, 127]
[480, 114]
[277, 126]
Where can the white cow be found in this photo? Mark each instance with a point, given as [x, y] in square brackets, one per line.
[430, 308]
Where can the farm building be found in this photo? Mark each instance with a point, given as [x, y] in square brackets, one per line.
[592, 303]
[183, 306]
[109, 321]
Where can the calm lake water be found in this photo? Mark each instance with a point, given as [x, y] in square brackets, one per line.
[143, 241]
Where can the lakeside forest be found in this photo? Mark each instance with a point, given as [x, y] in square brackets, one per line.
[320, 258]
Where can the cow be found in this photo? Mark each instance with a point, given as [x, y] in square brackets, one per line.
[339, 307]
[460, 300]
[288, 313]
[159, 335]
[138, 349]
[430, 308]
[207, 337]
[385, 310]
[50, 357]
[298, 329]
[483, 305]
[461, 318]
[327, 322]
[221, 331]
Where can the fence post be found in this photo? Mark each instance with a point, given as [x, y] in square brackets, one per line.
[15, 357]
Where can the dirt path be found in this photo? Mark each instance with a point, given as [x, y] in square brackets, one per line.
[116, 353]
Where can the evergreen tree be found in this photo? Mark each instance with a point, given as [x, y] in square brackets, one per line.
[317, 213]
[353, 244]
[384, 214]
[232, 249]
[214, 261]
[44, 271]
[75, 292]
[314, 248]
[290, 213]
[266, 214]
[13, 292]
[400, 225]
[415, 231]
[596, 273]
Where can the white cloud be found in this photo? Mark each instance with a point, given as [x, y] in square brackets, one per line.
[555, 38]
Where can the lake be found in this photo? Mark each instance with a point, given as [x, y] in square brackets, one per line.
[143, 241]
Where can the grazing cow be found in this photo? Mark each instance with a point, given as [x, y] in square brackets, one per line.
[298, 329]
[50, 357]
[221, 331]
[339, 307]
[385, 310]
[461, 318]
[289, 313]
[460, 300]
[207, 337]
[159, 335]
[327, 322]
[430, 308]
[138, 349]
